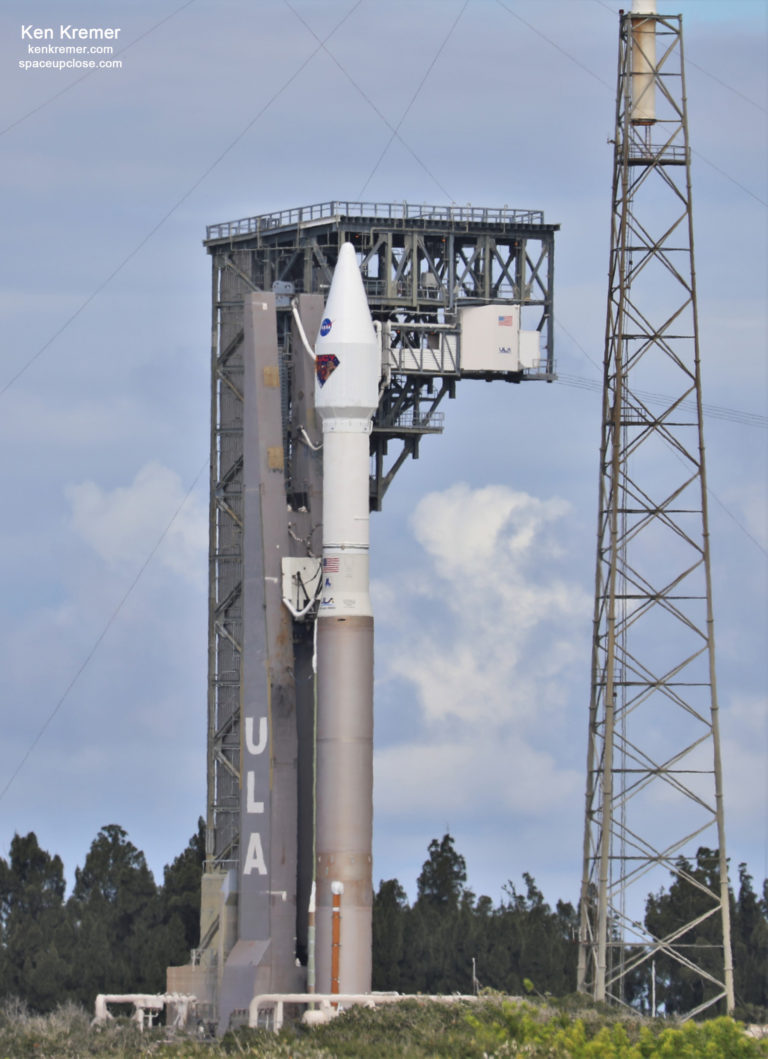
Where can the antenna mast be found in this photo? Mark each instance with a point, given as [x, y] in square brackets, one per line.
[654, 803]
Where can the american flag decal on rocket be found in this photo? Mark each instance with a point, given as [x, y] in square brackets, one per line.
[344, 633]
[325, 365]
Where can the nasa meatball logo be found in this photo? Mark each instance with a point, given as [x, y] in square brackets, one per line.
[325, 327]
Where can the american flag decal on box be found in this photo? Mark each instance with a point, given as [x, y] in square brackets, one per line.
[506, 321]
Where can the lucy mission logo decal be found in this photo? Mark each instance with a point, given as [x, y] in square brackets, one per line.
[325, 365]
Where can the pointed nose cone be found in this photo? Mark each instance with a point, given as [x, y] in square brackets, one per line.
[348, 363]
[347, 317]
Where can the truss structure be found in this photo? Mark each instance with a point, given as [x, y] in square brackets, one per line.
[421, 265]
[654, 786]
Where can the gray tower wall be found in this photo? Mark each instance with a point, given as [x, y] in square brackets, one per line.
[420, 265]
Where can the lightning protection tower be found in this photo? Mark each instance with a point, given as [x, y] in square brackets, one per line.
[654, 802]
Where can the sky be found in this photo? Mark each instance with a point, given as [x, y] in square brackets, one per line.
[483, 557]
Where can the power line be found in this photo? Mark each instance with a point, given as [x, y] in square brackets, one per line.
[249, 125]
[179, 202]
[598, 367]
[89, 73]
[368, 100]
[747, 99]
[405, 113]
[99, 639]
[703, 70]
[591, 73]
[549, 41]
[728, 176]
[743, 528]
[732, 415]
[713, 411]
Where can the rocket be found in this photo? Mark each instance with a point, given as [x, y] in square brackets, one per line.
[348, 368]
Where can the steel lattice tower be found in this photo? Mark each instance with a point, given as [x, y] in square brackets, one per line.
[654, 785]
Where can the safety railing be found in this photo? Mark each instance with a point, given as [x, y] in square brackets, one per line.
[389, 211]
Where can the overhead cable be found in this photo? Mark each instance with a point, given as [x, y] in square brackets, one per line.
[712, 411]
[404, 115]
[89, 73]
[179, 202]
[702, 69]
[368, 100]
[97, 643]
[591, 73]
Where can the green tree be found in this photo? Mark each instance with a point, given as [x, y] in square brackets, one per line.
[433, 927]
[117, 933]
[35, 942]
[532, 943]
[691, 897]
[472, 937]
[180, 899]
[116, 914]
[443, 875]
[390, 904]
[431, 946]
[749, 935]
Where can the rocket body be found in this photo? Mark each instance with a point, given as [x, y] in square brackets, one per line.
[346, 396]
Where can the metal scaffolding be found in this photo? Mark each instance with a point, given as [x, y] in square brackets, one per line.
[654, 804]
[434, 278]
[421, 265]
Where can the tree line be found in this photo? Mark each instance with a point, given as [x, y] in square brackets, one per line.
[116, 933]
[523, 945]
[118, 930]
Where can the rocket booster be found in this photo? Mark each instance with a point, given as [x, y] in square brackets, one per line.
[348, 368]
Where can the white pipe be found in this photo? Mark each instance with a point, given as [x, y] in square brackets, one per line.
[298, 614]
[308, 440]
[302, 333]
[327, 1002]
[142, 1002]
[311, 941]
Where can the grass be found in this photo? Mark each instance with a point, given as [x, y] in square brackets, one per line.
[494, 1028]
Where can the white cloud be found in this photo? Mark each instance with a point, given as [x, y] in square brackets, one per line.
[492, 605]
[488, 636]
[473, 776]
[499, 628]
[472, 531]
[124, 524]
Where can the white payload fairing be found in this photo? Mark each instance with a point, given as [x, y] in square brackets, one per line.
[348, 368]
